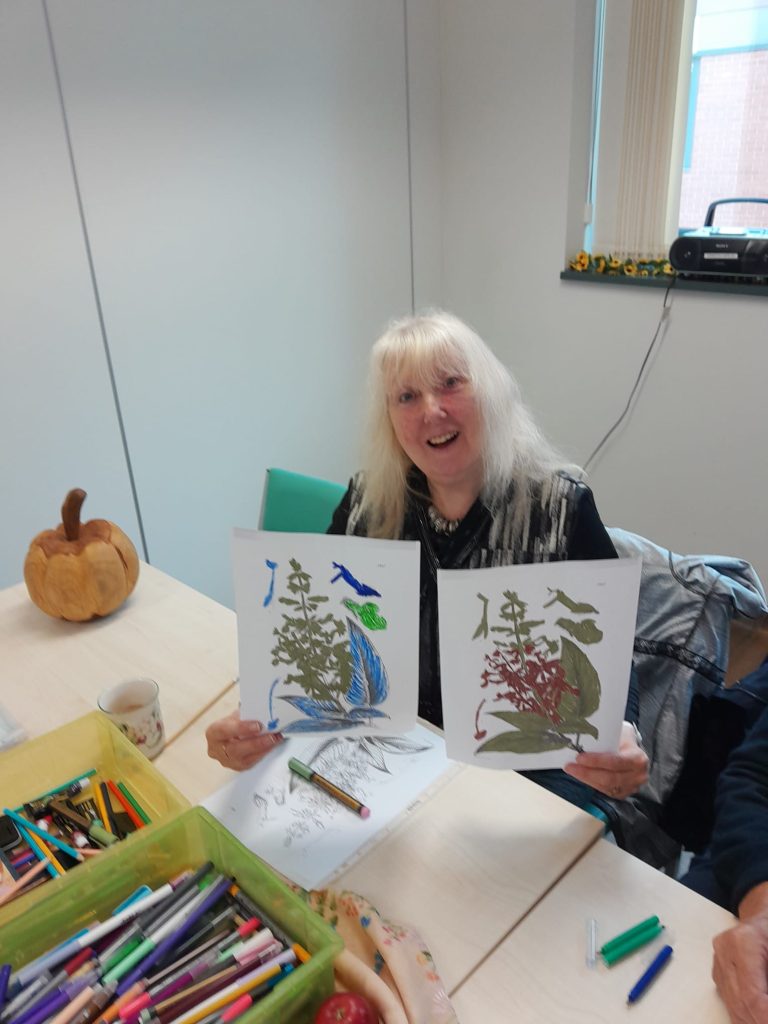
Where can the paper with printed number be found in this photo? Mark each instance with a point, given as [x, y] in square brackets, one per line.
[535, 660]
[328, 632]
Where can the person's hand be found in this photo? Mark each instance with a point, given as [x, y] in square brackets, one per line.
[740, 967]
[618, 775]
[238, 744]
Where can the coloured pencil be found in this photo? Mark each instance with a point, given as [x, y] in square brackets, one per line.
[103, 788]
[138, 823]
[134, 803]
[60, 789]
[41, 833]
[98, 797]
[54, 868]
[13, 890]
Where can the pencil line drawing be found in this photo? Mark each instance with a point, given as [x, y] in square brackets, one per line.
[353, 763]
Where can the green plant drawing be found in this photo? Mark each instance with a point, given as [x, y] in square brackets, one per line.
[331, 660]
[315, 645]
[549, 682]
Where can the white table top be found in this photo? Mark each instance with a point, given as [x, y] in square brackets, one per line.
[539, 972]
[463, 867]
[52, 671]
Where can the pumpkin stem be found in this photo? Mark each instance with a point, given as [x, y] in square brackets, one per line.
[70, 513]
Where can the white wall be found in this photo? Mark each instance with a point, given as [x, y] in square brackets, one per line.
[245, 182]
[58, 423]
[246, 188]
[689, 468]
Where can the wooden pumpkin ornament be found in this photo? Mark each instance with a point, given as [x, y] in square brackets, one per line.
[80, 571]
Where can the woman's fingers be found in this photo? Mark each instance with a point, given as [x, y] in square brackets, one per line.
[617, 775]
[237, 744]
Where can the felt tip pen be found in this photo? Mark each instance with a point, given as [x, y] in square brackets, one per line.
[305, 772]
[649, 922]
[647, 979]
[64, 952]
[634, 942]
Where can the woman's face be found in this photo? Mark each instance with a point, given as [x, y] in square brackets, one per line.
[439, 428]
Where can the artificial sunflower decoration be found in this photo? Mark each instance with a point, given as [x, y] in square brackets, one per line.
[615, 266]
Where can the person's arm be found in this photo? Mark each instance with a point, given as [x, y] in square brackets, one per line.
[740, 863]
[239, 744]
[621, 774]
[740, 966]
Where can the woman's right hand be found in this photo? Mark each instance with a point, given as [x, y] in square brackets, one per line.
[237, 744]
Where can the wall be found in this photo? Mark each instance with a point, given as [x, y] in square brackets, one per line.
[251, 211]
[687, 469]
[245, 187]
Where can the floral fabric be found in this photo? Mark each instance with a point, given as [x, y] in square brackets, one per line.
[387, 963]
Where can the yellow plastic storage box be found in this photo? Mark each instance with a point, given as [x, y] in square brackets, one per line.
[152, 857]
[37, 766]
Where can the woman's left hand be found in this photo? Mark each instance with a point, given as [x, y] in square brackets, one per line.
[618, 775]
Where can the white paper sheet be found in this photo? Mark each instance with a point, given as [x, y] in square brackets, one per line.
[327, 632]
[535, 660]
[306, 834]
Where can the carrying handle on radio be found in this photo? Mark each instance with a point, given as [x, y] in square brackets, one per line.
[719, 202]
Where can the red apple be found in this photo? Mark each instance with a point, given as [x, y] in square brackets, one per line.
[346, 1008]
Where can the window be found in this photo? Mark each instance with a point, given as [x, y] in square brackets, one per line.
[726, 141]
[681, 120]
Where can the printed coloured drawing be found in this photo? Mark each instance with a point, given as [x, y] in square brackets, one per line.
[332, 672]
[538, 686]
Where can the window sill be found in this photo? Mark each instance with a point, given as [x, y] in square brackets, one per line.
[681, 284]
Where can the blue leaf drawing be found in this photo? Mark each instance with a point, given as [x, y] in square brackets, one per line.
[360, 588]
[357, 713]
[318, 725]
[315, 708]
[271, 592]
[369, 683]
[273, 718]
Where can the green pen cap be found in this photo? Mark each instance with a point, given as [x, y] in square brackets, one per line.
[100, 834]
[620, 939]
[634, 942]
[300, 768]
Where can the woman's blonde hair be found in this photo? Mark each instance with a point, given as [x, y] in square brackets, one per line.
[423, 350]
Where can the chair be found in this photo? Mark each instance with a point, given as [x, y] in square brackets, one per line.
[294, 503]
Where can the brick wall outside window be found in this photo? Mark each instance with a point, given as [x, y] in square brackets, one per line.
[730, 141]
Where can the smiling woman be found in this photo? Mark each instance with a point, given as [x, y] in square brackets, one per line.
[455, 460]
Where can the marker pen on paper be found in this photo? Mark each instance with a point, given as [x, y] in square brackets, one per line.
[305, 772]
[647, 979]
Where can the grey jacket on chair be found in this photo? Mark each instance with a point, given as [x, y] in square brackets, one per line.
[684, 614]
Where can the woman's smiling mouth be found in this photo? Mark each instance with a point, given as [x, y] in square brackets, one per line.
[442, 439]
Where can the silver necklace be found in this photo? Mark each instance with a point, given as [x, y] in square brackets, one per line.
[439, 523]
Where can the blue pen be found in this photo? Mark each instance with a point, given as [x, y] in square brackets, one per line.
[647, 979]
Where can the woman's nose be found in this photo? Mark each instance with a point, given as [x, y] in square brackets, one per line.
[433, 408]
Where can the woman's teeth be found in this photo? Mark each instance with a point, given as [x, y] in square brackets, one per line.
[436, 442]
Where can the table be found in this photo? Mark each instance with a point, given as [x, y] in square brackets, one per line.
[52, 671]
[539, 971]
[463, 867]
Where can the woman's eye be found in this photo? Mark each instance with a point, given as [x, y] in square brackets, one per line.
[451, 382]
[405, 397]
